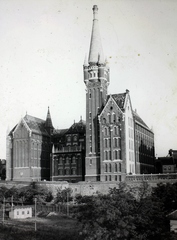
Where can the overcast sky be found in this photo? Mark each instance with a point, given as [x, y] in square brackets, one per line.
[42, 49]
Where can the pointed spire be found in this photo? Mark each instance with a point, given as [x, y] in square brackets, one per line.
[95, 43]
[48, 122]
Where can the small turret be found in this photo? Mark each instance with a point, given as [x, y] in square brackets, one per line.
[48, 123]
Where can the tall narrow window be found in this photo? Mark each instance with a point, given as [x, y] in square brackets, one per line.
[114, 117]
[110, 168]
[120, 167]
[115, 167]
[106, 143]
[105, 131]
[109, 117]
[106, 167]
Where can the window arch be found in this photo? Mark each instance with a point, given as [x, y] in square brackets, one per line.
[115, 130]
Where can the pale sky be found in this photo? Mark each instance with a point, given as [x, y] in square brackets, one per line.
[42, 49]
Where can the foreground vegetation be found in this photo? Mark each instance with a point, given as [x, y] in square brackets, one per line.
[124, 214]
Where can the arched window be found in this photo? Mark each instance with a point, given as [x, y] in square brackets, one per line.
[105, 131]
[115, 130]
[114, 117]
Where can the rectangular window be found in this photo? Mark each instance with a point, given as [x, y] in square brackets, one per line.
[90, 161]
[90, 114]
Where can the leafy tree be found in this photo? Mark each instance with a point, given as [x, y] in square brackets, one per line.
[167, 195]
[63, 195]
[122, 215]
[27, 194]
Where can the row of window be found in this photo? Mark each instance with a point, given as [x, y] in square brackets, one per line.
[116, 142]
[69, 138]
[116, 155]
[144, 130]
[67, 160]
[66, 171]
[116, 167]
[113, 178]
[116, 131]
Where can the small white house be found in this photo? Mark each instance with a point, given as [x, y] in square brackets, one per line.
[20, 213]
[173, 221]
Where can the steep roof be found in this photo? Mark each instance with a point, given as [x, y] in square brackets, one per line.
[59, 132]
[77, 127]
[48, 122]
[96, 50]
[139, 120]
[36, 125]
[119, 99]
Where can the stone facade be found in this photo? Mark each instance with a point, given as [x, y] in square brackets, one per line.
[28, 150]
[68, 154]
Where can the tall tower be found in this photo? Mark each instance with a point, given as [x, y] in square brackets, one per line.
[96, 78]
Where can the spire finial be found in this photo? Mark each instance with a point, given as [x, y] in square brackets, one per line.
[95, 12]
[95, 43]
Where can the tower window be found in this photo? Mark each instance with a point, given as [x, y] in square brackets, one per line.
[90, 161]
[90, 114]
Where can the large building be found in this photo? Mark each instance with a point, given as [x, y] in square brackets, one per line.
[28, 149]
[118, 142]
[113, 142]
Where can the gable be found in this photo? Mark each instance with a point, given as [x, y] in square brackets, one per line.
[111, 112]
[21, 130]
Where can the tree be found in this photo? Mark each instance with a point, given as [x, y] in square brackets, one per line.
[121, 215]
[63, 195]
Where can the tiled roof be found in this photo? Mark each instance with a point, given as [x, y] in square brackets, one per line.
[119, 99]
[36, 125]
[139, 120]
[59, 132]
[77, 127]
